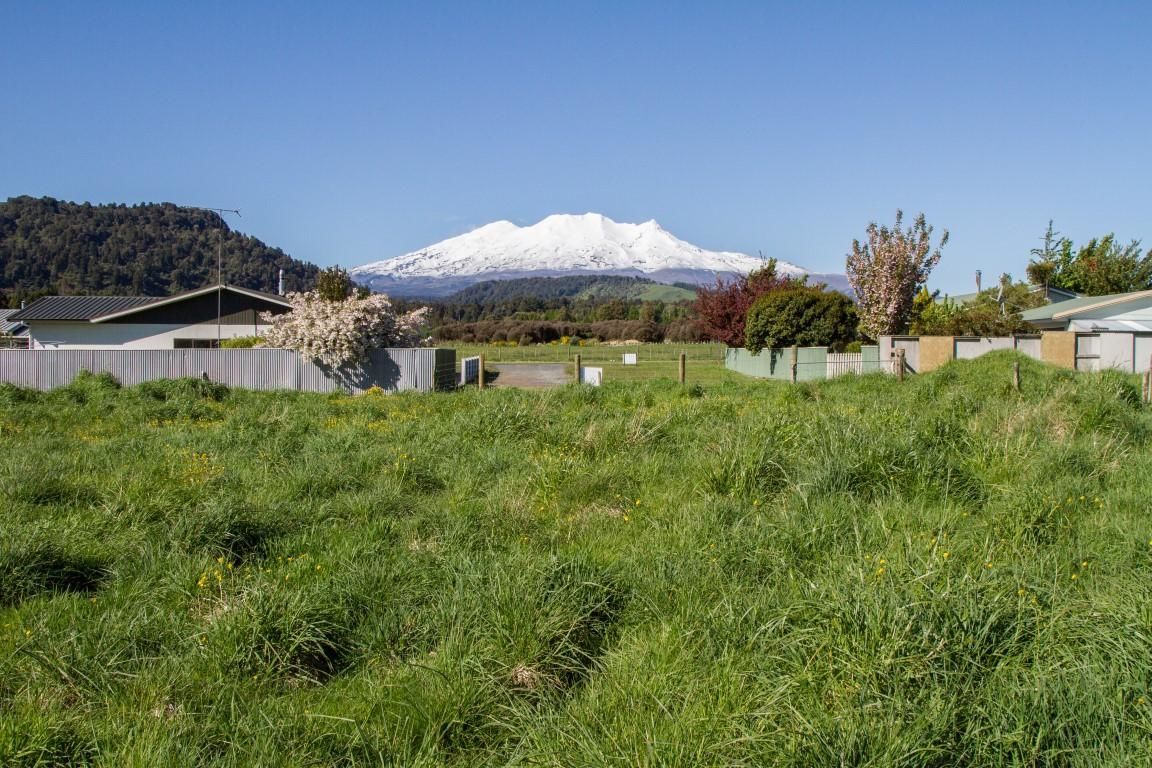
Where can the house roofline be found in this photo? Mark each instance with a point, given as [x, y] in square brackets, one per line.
[191, 295]
[1102, 304]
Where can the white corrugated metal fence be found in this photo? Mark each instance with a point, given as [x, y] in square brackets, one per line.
[392, 370]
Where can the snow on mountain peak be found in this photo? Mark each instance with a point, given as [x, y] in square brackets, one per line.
[560, 244]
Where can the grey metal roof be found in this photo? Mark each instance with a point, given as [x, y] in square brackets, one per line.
[7, 326]
[1072, 306]
[79, 307]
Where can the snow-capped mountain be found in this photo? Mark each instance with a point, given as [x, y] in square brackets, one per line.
[559, 245]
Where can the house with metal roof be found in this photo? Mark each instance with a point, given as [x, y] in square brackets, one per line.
[1050, 292]
[198, 319]
[13, 333]
[8, 326]
[1112, 331]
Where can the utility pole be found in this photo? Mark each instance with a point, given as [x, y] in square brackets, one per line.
[219, 261]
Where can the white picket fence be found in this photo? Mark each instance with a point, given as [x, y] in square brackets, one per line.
[840, 363]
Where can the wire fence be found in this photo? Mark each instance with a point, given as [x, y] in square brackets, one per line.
[590, 353]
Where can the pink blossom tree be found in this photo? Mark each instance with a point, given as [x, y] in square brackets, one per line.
[339, 334]
[888, 270]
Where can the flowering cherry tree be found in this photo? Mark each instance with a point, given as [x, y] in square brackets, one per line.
[888, 270]
[340, 333]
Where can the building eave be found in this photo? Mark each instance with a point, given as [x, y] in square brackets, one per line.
[191, 295]
[1102, 304]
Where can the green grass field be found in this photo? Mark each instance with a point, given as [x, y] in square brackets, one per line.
[859, 572]
[697, 372]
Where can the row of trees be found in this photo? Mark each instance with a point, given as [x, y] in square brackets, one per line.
[1101, 266]
[583, 309]
[766, 309]
[889, 271]
[524, 332]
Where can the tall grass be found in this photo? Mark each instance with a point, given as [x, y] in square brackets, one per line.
[855, 572]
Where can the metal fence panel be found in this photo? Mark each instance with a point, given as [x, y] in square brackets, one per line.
[392, 370]
[469, 370]
[969, 348]
[1031, 346]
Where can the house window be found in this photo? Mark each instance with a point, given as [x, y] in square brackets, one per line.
[195, 344]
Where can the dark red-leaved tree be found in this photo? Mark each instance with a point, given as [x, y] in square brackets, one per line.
[723, 308]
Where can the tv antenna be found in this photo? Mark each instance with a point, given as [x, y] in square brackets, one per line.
[219, 258]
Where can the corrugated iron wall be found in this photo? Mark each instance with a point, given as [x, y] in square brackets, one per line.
[392, 370]
[811, 363]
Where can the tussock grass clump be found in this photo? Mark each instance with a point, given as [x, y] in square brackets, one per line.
[279, 636]
[236, 534]
[854, 572]
[45, 568]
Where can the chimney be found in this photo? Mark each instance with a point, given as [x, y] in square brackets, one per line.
[977, 281]
[280, 287]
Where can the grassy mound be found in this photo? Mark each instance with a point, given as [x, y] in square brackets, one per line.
[857, 572]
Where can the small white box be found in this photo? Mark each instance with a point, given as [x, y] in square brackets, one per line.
[592, 376]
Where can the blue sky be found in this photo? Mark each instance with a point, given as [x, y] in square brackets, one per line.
[351, 132]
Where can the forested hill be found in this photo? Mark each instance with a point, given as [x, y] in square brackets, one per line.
[53, 246]
[573, 286]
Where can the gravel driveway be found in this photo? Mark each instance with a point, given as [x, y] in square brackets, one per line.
[530, 375]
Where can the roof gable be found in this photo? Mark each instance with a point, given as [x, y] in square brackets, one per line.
[228, 290]
[99, 309]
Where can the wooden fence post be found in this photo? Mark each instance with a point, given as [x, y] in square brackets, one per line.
[795, 361]
[683, 367]
[577, 367]
[1016, 376]
[1148, 383]
[480, 374]
[900, 364]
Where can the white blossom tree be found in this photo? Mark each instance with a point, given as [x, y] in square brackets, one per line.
[888, 270]
[339, 334]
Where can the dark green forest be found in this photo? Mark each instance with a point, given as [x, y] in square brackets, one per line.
[547, 288]
[50, 246]
[544, 308]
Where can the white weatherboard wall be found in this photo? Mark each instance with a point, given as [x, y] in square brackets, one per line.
[85, 335]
